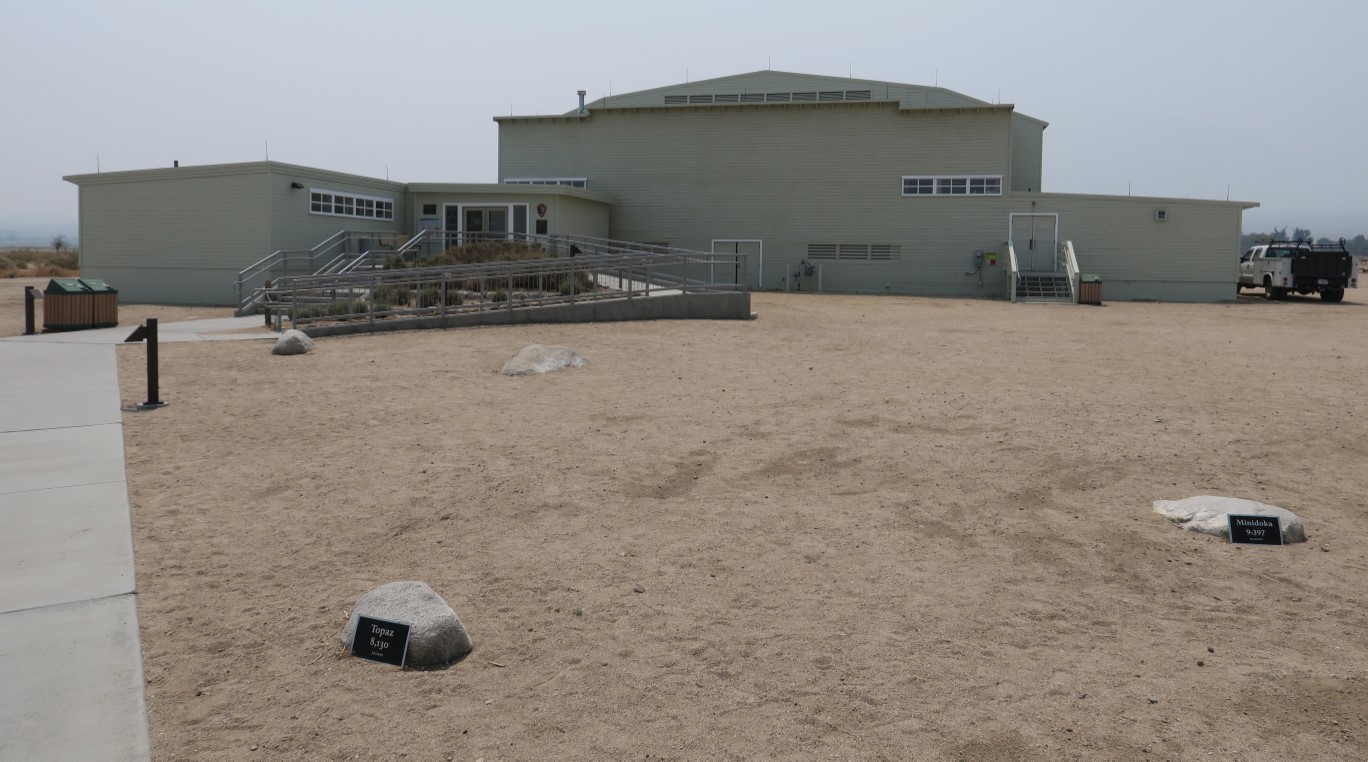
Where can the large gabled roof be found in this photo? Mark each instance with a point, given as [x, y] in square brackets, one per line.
[783, 86]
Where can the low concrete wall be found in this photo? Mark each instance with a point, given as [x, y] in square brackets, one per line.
[717, 305]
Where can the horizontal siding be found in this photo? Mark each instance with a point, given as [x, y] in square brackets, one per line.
[130, 230]
[690, 177]
[564, 214]
[579, 216]
[796, 177]
[171, 285]
[1119, 239]
[1028, 148]
[293, 226]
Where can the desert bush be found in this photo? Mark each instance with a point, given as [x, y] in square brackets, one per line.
[333, 308]
[431, 296]
[565, 285]
[473, 253]
[39, 263]
[387, 297]
[499, 295]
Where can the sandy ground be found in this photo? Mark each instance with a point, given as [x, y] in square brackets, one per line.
[867, 527]
[12, 308]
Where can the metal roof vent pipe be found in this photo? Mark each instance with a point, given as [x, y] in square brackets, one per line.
[582, 112]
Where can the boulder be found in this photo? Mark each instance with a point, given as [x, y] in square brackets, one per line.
[437, 638]
[1209, 514]
[540, 358]
[293, 342]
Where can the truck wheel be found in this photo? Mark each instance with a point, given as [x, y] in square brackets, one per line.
[1268, 289]
[1332, 295]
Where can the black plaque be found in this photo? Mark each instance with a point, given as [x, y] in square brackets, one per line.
[381, 640]
[1256, 530]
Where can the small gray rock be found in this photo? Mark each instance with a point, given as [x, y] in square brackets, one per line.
[437, 639]
[293, 342]
[1209, 514]
[540, 358]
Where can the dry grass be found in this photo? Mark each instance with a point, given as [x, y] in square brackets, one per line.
[39, 263]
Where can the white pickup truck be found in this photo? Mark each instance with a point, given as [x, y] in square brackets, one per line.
[1284, 267]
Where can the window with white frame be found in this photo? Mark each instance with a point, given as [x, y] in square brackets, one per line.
[952, 185]
[573, 182]
[854, 252]
[339, 204]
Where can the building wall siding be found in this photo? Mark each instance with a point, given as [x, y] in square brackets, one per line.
[131, 230]
[795, 177]
[1028, 150]
[564, 214]
[294, 226]
[577, 216]
[688, 177]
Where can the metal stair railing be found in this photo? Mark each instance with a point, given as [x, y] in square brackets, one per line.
[368, 258]
[1013, 272]
[1071, 269]
[341, 247]
[252, 280]
[454, 289]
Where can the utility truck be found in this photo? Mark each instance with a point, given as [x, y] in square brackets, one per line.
[1303, 267]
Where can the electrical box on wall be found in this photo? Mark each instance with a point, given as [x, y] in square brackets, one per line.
[978, 258]
[1160, 215]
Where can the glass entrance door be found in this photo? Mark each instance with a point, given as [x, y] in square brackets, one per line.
[487, 222]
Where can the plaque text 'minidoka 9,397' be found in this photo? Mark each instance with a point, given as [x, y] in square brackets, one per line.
[1256, 530]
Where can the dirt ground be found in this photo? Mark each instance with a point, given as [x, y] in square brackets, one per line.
[866, 527]
[12, 308]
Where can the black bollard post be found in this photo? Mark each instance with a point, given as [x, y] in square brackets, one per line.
[30, 327]
[148, 333]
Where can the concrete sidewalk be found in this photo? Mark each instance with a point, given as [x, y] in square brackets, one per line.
[71, 682]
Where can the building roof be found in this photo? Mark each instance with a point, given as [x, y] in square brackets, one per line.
[511, 189]
[781, 87]
[219, 170]
[1151, 199]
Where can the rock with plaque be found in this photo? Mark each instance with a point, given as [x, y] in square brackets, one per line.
[434, 635]
[1212, 514]
[381, 640]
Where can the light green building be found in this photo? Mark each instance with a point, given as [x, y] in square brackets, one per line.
[180, 235]
[890, 188]
[867, 187]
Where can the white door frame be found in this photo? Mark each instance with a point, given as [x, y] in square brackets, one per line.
[760, 262]
[1011, 226]
[461, 207]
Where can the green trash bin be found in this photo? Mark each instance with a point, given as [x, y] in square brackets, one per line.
[74, 304]
[104, 303]
[1089, 289]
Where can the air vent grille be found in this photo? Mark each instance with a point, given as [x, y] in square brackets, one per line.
[824, 95]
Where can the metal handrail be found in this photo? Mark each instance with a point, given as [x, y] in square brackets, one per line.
[251, 282]
[1014, 273]
[346, 262]
[454, 289]
[1071, 267]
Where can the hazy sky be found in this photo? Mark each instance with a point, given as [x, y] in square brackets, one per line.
[1164, 98]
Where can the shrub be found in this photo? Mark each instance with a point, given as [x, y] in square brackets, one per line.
[387, 297]
[431, 296]
[499, 296]
[335, 307]
[472, 253]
